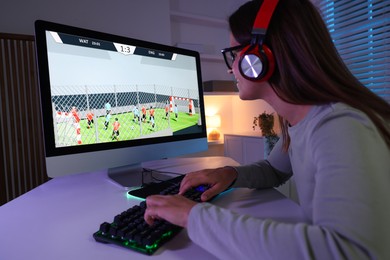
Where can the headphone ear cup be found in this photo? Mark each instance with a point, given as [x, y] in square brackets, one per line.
[270, 62]
[256, 62]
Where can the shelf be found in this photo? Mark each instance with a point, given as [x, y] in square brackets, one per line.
[256, 134]
[215, 142]
[220, 86]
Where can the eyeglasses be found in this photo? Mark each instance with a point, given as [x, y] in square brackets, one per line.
[230, 54]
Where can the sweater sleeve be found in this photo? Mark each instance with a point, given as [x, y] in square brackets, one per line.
[348, 208]
[244, 237]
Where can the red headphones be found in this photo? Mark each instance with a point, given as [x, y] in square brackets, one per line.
[257, 62]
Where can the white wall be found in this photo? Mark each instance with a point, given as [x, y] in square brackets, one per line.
[207, 28]
[146, 19]
[149, 20]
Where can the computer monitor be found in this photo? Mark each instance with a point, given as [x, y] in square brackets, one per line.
[113, 102]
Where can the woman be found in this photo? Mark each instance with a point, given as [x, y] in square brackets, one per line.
[335, 141]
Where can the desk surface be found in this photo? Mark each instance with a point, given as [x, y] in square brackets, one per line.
[57, 219]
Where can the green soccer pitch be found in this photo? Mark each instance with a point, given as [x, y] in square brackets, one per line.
[131, 129]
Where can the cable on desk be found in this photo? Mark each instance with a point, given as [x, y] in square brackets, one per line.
[151, 171]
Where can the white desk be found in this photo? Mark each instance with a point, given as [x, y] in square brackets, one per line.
[57, 219]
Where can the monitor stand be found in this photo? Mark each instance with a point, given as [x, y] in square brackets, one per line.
[135, 175]
[127, 176]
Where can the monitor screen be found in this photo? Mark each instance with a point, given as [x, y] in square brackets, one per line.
[110, 101]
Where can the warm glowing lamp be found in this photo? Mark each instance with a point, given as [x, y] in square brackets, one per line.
[212, 123]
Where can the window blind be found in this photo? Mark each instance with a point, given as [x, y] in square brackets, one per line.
[360, 29]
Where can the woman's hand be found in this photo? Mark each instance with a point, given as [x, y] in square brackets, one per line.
[173, 208]
[176, 208]
[218, 179]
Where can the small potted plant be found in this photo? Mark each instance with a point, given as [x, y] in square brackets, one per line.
[266, 123]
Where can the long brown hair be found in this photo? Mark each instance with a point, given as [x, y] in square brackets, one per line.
[309, 70]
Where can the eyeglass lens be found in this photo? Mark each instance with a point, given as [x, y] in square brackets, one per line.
[230, 55]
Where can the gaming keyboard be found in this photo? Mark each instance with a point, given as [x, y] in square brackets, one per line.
[129, 228]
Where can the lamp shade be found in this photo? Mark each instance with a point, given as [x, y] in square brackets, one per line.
[213, 121]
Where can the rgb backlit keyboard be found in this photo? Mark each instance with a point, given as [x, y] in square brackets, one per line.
[129, 229]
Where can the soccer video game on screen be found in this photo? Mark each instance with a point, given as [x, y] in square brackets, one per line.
[108, 92]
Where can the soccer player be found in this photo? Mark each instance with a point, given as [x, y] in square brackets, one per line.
[190, 108]
[90, 119]
[76, 123]
[167, 110]
[107, 122]
[107, 107]
[115, 131]
[136, 114]
[143, 110]
[175, 110]
[151, 113]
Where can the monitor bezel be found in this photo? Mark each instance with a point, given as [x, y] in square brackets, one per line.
[41, 27]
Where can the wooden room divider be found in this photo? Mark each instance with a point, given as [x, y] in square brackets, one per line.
[21, 149]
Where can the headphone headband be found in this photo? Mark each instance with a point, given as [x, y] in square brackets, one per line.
[264, 16]
[256, 61]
